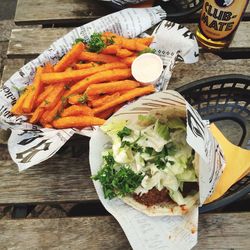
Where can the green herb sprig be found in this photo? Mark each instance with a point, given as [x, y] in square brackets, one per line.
[96, 43]
[147, 50]
[117, 181]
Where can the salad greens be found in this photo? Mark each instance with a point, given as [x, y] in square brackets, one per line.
[148, 154]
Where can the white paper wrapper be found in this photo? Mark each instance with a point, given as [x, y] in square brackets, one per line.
[129, 23]
[123, 2]
[166, 232]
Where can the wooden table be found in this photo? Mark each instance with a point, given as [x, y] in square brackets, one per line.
[65, 177]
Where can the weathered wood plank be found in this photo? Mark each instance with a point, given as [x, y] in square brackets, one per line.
[216, 231]
[58, 11]
[32, 42]
[67, 11]
[11, 66]
[22, 40]
[208, 65]
[61, 178]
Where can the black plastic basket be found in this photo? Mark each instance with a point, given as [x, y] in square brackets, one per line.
[224, 98]
[174, 8]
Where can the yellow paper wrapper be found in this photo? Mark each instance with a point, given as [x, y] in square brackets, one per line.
[237, 164]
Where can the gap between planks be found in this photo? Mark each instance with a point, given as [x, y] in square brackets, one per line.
[216, 231]
[22, 43]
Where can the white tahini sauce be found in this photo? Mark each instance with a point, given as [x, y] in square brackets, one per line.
[147, 68]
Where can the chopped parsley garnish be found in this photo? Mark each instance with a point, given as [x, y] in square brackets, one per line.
[57, 116]
[160, 159]
[117, 181]
[79, 40]
[66, 86]
[149, 150]
[147, 50]
[83, 99]
[124, 132]
[46, 102]
[110, 41]
[96, 43]
[64, 100]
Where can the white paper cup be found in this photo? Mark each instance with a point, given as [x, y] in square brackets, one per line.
[147, 68]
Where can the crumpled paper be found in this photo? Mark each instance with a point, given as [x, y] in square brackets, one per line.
[31, 144]
[162, 232]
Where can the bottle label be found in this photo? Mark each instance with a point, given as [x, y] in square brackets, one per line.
[219, 18]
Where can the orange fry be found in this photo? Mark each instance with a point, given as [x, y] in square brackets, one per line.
[77, 110]
[53, 98]
[94, 57]
[36, 115]
[85, 65]
[17, 107]
[126, 97]
[47, 125]
[104, 76]
[77, 121]
[77, 99]
[70, 57]
[43, 95]
[111, 49]
[123, 53]
[145, 40]
[132, 44]
[126, 43]
[106, 113]
[118, 107]
[104, 99]
[33, 92]
[128, 60]
[48, 68]
[111, 87]
[76, 75]
[50, 114]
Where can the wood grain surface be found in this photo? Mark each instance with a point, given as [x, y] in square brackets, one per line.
[58, 11]
[216, 231]
[207, 66]
[61, 178]
[22, 43]
[65, 11]
[10, 67]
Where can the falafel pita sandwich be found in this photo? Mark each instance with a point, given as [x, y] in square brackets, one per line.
[154, 158]
[150, 166]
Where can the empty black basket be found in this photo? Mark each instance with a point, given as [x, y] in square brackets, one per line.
[224, 99]
[174, 8]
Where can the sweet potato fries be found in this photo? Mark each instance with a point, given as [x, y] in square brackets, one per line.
[91, 82]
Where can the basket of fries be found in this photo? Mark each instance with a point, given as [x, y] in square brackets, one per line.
[85, 87]
[83, 78]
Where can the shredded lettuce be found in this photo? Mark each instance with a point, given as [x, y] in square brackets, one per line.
[146, 120]
[162, 130]
[177, 197]
[176, 123]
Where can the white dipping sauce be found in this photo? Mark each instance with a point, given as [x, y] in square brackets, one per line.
[147, 68]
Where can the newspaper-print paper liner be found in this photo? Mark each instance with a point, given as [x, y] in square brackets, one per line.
[123, 2]
[30, 144]
[163, 232]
